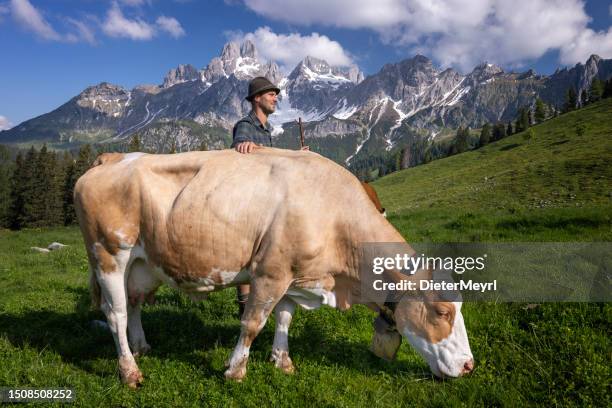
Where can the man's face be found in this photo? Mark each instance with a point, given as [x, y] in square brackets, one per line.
[266, 101]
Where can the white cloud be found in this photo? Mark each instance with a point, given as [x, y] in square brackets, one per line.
[171, 25]
[456, 32]
[588, 42]
[340, 13]
[289, 49]
[31, 19]
[5, 124]
[117, 25]
[84, 32]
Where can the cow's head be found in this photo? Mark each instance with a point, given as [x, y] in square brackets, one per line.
[437, 331]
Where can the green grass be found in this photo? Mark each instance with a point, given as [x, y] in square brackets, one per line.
[549, 354]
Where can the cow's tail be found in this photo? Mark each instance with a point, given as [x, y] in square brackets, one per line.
[94, 290]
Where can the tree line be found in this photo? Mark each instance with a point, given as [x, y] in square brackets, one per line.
[37, 185]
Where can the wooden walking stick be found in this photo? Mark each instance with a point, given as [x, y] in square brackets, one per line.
[301, 132]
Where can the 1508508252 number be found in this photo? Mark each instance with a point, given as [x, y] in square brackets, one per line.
[36, 394]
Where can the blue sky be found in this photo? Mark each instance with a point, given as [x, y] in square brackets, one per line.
[51, 50]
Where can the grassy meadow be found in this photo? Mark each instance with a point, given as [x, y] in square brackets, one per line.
[556, 187]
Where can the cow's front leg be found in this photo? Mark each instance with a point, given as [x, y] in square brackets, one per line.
[265, 293]
[280, 348]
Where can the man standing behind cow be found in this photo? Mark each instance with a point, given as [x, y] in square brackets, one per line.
[254, 131]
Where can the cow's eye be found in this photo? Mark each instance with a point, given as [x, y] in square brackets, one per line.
[444, 314]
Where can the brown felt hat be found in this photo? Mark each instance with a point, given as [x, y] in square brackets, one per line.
[259, 85]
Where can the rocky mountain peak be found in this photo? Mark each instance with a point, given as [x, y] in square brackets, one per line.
[180, 74]
[248, 50]
[593, 59]
[483, 73]
[231, 51]
[101, 89]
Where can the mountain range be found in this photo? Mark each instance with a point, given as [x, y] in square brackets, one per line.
[347, 116]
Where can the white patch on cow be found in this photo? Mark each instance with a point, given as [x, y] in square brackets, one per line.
[240, 353]
[283, 312]
[204, 284]
[123, 239]
[231, 277]
[129, 157]
[114, 301]
[312, 298]
[447, 357]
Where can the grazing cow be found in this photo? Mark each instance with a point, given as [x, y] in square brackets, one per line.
[288, 222]
[374, 198]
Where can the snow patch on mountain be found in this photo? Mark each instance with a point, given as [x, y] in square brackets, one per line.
[380, 105]
[285, 113]
[345, 112]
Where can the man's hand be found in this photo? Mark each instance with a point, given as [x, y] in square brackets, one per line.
[305, 148]
[246, 147]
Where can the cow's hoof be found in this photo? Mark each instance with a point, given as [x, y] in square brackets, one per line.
[132, 379]
[130, 373]
[282, 361]
[235, 374]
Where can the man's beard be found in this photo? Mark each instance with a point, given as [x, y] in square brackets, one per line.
[268, 110]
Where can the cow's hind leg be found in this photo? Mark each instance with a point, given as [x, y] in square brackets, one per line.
[141, 287]
[265, 293]
[111, 275]
[283, 313]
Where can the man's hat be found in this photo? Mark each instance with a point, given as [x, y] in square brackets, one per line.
[259, 85]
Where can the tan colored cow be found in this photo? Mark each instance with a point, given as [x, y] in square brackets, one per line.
[288, 222]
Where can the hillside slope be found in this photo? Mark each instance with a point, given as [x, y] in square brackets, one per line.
[566, 170]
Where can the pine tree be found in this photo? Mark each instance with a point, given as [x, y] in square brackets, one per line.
[596, 90]
[17, 204]
[607, 93]
[84, 161]
[540, 111]
[485, 135]
[522, 120]
[583, 98]
[22, 190]
[74, 170]
[68, 200]
[499, 131]
[46, 202]
[525, 118]
[509, 129]
[462, 140]
[5, 185]
[135, 145]
[428, 156]
[570, 100]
